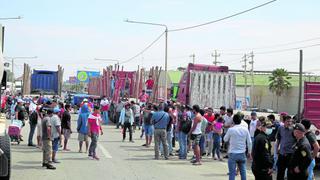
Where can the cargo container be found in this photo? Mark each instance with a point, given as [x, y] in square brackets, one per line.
[207, 86]
[46, 82]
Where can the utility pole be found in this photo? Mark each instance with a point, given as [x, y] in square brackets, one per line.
[215, 55]
[300, 85]
[193, 56]
[251, 61]
[245, 78]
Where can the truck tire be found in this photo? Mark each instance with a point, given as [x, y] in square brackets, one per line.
[5, 159]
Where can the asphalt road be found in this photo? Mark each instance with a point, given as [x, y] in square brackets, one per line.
[118, 161]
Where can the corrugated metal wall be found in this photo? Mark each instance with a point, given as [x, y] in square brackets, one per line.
[45, 81]
[211, 89]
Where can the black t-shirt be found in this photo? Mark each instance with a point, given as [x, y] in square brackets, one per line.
[311, 138]
[66, 120]
[20, 110]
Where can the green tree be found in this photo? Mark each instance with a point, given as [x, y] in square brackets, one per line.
[279, 83]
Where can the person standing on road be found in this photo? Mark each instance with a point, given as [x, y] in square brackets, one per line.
[94, 129]
[228, 122]
[195, 134]
[46, 140]
[148, 124]
[204, 123]
[262, 163]
[82, 127]
[285, 141]
[55, 133]
[184, 126]
[239, 138]
[66, 126]
[254, 123]
[33, 120]
[160, 120]
[118, 109]
[217, 132]
[126, 121]
[105, 108]
[314, 146]
[209, 131]
[136, 112]
[301, 156]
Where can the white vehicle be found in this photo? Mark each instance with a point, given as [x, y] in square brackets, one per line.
[5, 154]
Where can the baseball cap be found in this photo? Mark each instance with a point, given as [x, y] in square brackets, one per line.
[284, 114]
[300, 127]
[56, 110]
[85, 100]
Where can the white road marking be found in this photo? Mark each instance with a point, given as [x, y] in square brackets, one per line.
[105, 152]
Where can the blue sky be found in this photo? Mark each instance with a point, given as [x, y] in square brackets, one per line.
[72, 33]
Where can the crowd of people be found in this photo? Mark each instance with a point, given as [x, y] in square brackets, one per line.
[284, 146]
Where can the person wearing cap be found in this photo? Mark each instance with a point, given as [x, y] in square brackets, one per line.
[82, 127]
[301, 157]
[127, 120]
[314, 146]
[285, 142]
[55, 133]
[261, 153]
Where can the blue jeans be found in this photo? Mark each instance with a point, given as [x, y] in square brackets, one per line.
[183, 145]
[216, 145]
[234, 159]
[310, 169]
[31, 133]
[105, 117]
[202, 145]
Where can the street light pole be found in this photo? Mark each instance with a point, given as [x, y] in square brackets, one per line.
[166, 51]
[10, 18]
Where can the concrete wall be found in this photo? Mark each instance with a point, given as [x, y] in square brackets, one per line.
[262, 97]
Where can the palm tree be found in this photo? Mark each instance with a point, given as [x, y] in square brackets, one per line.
[279, 83]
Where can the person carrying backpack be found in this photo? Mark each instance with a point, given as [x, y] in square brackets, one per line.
[33, 121]
[184, 126]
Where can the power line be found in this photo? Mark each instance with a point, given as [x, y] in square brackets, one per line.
[224, 18]
[270, 46]
[144, 50]
[289, 49]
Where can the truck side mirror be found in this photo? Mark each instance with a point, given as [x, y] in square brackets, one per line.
[4, 81]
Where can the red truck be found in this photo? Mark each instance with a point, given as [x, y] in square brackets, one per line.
[312, 107]
[207, 86]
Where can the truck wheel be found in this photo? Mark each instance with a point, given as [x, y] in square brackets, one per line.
[5, 146]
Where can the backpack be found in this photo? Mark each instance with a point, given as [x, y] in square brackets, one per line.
[186, 125]
[33, 117]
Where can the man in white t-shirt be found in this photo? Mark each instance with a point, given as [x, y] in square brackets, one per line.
[253, 125]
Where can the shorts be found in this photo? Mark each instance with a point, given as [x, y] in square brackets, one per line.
[83, 137]
[39, 129]
[55, 144]
[196, 139]
[66, 133]
[148, 130]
